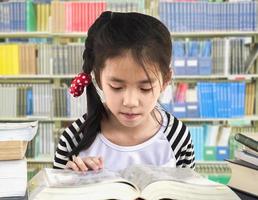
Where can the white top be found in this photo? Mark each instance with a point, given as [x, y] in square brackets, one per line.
[155, 151]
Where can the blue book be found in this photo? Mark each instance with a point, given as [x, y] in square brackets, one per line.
[12, 16]
[1, 17]
[195, 139]
[193, 48]
[42, 1]
[220, 103]
[230, 16]
[204, 99]
[178, 49]
[231, 99]
[206, 47]
[172, 8]
[210, 100]
[241, 22]
[177, 17]
[225, 100]
[234, 99]
[29, 101]
[178, 53]
[196, 25]
[228, 102]
[215, 99]
[252, 15]
[7, 16]
[21, 16]
[162, 14]
[241, 93]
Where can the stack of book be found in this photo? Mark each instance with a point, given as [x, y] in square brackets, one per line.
[245, 166]
[14, 138]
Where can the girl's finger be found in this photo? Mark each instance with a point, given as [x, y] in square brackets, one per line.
[92, 163]
[80, 164]
[101, 162]
[71, 165]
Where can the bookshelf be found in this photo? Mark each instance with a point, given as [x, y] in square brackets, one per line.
[37, 77]
[203, 34]
[64, 119]
[41, 119]
[214, 77]
[175, 77]
[59, 38]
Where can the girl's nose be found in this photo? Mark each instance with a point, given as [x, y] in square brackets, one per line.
[131, 99]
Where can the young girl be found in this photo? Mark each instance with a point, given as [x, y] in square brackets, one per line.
[129, 55]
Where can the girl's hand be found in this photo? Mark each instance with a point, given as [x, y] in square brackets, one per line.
[85, 164]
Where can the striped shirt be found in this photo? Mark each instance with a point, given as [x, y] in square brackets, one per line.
[175, 131]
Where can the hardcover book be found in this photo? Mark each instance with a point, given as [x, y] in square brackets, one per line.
[136, 181]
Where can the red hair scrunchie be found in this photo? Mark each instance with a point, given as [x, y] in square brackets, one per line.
[78, 83]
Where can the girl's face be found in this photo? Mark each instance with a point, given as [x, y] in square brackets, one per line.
[128, 93]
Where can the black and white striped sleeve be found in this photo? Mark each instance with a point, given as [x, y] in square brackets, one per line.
[180, 140]
[68, 141]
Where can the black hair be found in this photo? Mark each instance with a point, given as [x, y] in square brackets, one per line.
[111, 35]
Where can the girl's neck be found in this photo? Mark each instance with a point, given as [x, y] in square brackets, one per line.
[113, 130]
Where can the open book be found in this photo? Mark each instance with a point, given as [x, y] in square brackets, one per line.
[136, 181]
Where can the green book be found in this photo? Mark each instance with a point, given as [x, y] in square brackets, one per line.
[31, 17]
[247, 141]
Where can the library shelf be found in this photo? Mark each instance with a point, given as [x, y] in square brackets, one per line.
[210, 34]
[68, 119]
[41, 119]
[36, 76]
[231, 77]
[235, 77]
[244, 118]
[84, 34]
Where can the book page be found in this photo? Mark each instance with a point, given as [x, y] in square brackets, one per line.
[13, 178]
[24, 131]
[143, 175]
[69, 178]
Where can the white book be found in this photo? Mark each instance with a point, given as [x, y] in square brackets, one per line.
[136, 181]
[13, 178]
[245, 156]
[212, 135]
[224, 136]
[227, 57]
[24, 131]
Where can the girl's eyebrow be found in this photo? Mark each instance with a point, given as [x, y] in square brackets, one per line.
[147, 81]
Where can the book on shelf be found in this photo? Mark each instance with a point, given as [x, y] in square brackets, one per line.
[249, 63]
[136, 181]
[244, 176]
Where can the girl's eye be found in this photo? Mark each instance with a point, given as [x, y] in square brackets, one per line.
[146, 89]
[116, 88]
